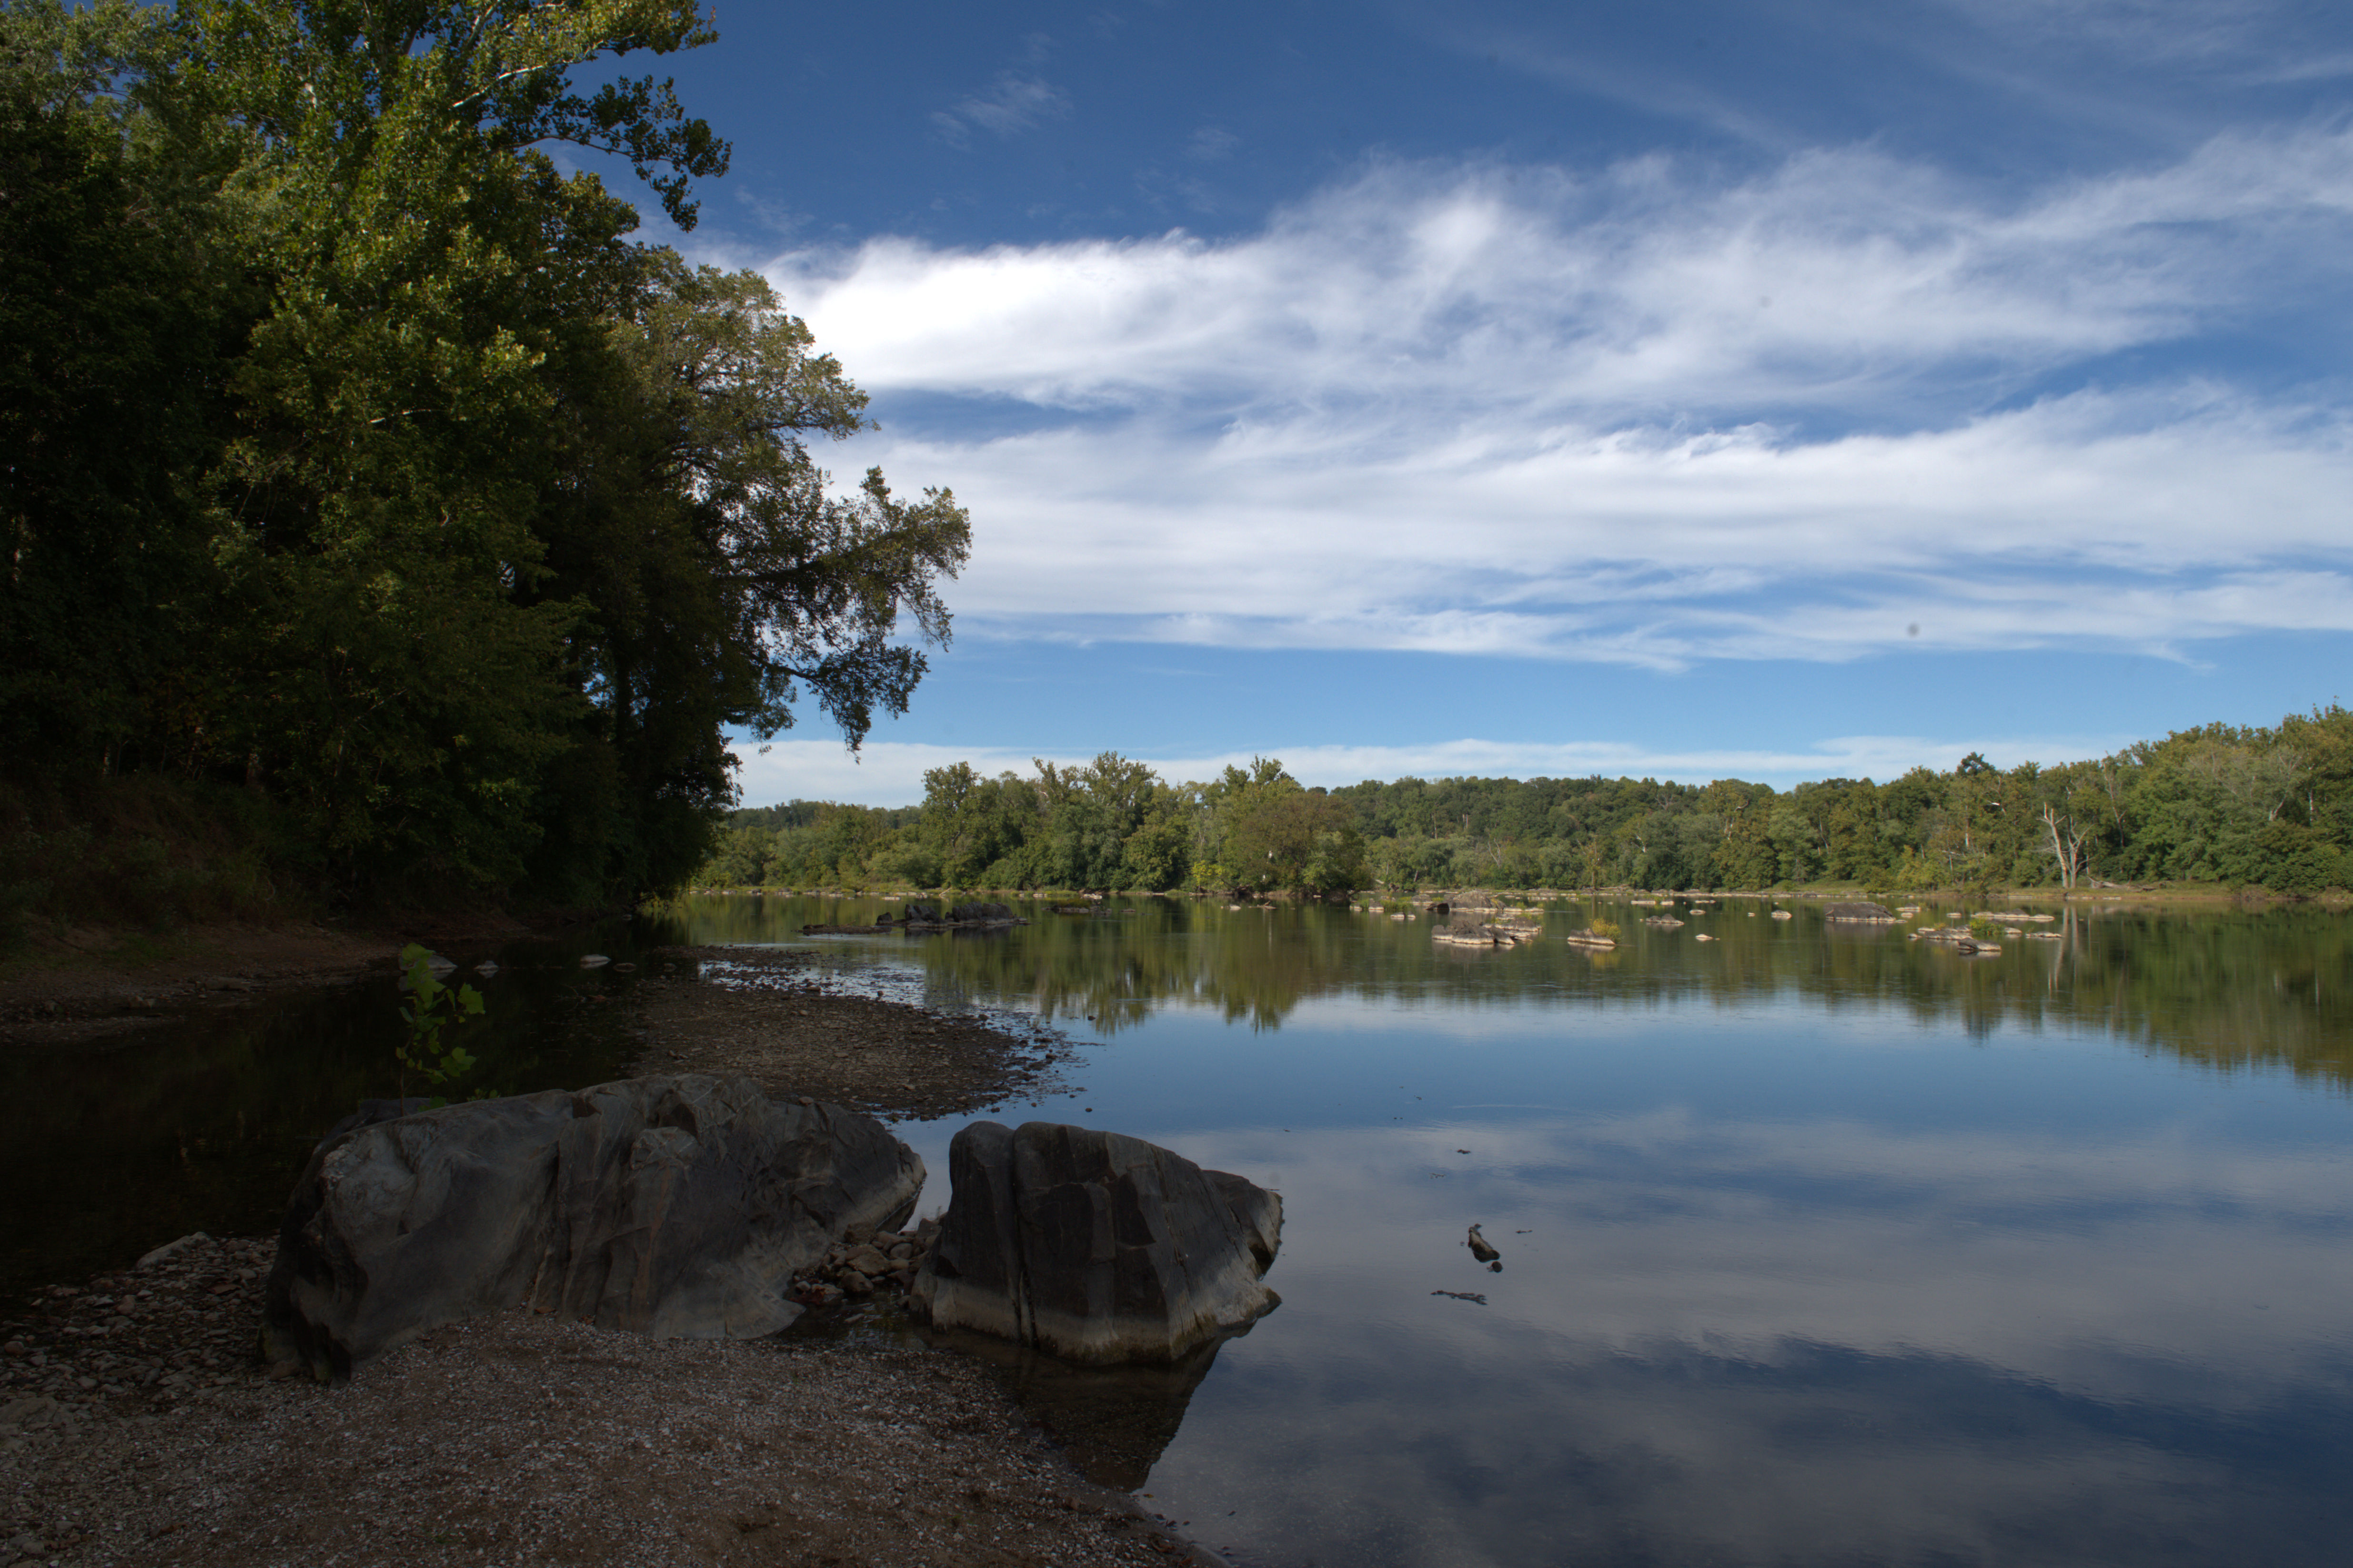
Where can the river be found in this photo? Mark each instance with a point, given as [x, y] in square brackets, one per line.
[1819, 1244]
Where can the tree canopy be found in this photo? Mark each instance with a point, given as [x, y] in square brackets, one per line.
[2270, 808]
[358, 457]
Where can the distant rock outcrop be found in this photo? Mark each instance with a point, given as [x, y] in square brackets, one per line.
[1095, 1246]
[923, 914]
[677, 1207]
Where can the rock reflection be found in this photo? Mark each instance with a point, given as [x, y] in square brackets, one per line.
[1114, 1422]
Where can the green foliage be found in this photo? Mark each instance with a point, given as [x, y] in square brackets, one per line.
[138, 857]
[360, 458]
[2270, 808]
[430, 1009]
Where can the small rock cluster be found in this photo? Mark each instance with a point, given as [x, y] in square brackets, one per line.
[923, 914]
[1509, 928]
[143, 1341]
[177, 1321]
[863, 1261]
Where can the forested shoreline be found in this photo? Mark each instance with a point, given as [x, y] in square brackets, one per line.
[384, 523]
[2264, 808]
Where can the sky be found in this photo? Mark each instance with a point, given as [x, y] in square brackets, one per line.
[1785, 390]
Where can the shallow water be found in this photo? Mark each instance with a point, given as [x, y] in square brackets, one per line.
[1820, 1246]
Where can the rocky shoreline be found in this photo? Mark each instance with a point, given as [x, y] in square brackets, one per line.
[136, 1426]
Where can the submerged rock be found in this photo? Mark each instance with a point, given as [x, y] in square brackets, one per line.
[1095, 1246]
[678, 1206]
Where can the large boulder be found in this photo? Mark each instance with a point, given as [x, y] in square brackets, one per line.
[1095, 1246]
[677, 1207]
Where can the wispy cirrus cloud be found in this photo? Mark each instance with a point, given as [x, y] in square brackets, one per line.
[1016, 102]
[1644, 414]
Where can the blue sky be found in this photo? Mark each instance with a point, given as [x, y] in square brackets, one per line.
[1771, 390]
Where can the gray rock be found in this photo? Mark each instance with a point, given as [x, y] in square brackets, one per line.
[1095, 1246]
[372, 1111]
[172, 1249]
[676, 1206]
[29, 1411]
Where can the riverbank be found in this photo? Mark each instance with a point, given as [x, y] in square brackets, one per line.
[135, 1429]
[90, 985]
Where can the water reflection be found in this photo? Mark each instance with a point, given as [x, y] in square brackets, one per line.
[1114, 1422]
[2229, 989]
[1725, 1336]
[111, 1147]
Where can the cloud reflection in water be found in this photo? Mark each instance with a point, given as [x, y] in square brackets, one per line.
[1818, 1342]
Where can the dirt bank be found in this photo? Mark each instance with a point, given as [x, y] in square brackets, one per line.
[89, 984]
[92, 985]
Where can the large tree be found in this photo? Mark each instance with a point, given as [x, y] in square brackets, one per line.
[484, 520]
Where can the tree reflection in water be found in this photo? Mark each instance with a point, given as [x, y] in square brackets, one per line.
[2229, 989]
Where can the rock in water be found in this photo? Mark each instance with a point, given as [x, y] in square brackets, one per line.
[1095, 1246]
[677, 1207]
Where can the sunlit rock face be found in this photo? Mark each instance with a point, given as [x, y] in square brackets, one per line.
[676, 1206]
[1095, 1246]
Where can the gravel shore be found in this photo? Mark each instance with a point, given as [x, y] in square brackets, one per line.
[137, 1431]
[136, 1428]
[769, 1014]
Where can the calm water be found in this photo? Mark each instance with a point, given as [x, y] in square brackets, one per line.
[1820, 1247]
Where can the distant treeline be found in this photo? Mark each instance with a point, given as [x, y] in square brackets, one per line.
[2257, 807]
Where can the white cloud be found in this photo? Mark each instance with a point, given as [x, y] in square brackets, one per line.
[891, 772]
[1636, 416]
